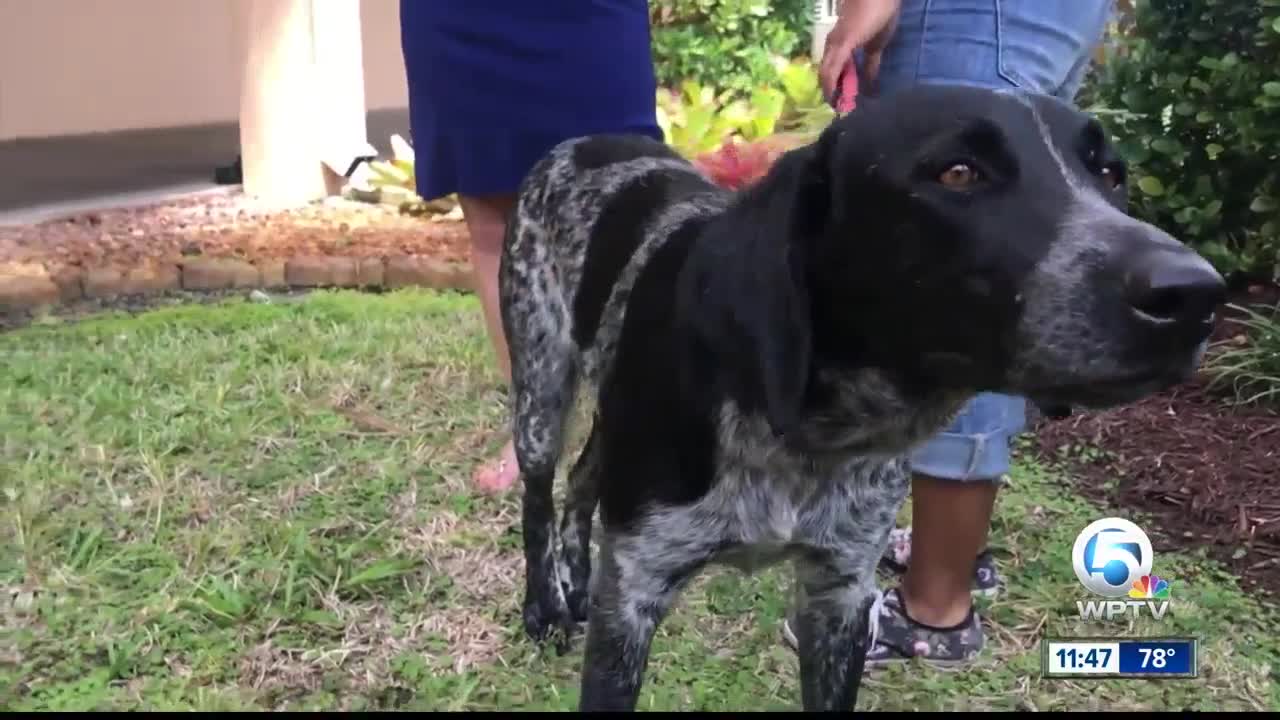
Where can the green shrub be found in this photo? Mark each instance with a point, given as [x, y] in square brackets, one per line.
[727, 44]
[1191, 91]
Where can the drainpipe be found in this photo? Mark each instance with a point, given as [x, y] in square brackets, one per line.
[824, 18]
[302, 107]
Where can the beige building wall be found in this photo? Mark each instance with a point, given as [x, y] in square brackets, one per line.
[70, 67]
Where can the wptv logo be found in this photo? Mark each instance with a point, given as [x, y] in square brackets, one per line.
[1112, 558]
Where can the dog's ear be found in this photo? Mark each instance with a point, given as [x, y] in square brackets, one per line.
[749, 298]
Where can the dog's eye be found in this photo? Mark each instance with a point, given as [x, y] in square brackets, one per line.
[1113, 176]
[959, 176]
[1112, 173]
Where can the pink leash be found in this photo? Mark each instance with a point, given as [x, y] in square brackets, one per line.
[846, 93]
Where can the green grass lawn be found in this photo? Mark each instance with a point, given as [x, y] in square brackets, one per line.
[257, 506]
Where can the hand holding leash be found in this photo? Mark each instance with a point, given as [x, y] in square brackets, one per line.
[865, 25]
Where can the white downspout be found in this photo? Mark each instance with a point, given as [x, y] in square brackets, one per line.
[302, 108]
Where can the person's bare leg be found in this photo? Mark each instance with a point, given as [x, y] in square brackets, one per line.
[949, 526]
[486, 223]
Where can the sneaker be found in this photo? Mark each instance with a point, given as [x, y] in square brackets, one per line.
[986, 579]
[898, 638]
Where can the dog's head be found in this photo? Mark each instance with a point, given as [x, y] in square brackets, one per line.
[964, 239]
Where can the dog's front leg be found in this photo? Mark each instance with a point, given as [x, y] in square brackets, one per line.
[631, 591]
[832, 629]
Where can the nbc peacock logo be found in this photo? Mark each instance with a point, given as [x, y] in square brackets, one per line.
[1150, 587]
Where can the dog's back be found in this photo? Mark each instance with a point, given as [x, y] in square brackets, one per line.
[587, 218]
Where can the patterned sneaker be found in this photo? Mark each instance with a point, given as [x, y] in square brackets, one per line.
[898, 638]
[986, 579]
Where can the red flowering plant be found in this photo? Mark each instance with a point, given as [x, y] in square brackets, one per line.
[734, 140]
[735, 165]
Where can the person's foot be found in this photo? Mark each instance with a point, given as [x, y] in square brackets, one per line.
[899, 638]
[497, 476]
[897, 555]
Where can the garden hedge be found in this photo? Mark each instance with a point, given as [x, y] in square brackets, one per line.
[727, 44]
[1191, 91]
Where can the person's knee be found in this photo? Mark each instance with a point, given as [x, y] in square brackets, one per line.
[486, 219]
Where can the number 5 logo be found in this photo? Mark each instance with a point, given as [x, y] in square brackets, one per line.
[1110, 555]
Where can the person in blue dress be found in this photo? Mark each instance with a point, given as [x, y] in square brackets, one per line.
[495, 84]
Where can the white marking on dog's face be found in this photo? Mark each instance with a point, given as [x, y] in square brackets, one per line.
[1088, 204]
[1078, 326]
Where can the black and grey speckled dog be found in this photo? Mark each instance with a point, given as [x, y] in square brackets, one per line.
[764, 361]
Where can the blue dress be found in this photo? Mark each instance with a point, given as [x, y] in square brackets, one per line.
[494, 84]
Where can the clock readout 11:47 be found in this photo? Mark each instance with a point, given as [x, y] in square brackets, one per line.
[1122, 657]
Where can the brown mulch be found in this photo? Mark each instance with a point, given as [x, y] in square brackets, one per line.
[1206, 468]
[229, 225]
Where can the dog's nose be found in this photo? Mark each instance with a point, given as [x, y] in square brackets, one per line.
[1174, 285]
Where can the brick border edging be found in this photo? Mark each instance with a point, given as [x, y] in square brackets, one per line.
[20, 293]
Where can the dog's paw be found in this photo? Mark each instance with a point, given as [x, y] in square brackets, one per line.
[548, 621]
[578, 600]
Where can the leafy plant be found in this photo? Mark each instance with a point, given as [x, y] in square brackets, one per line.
[697, 118]
[397, 172]
[394, 181]
[806, 110]
[729, 44]
[1250, 365]
[767, 108]
[1191, 91]
[735, 140]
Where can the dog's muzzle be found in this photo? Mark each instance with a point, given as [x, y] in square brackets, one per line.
[1172, 290]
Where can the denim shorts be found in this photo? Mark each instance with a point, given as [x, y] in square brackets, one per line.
[1040, 46]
